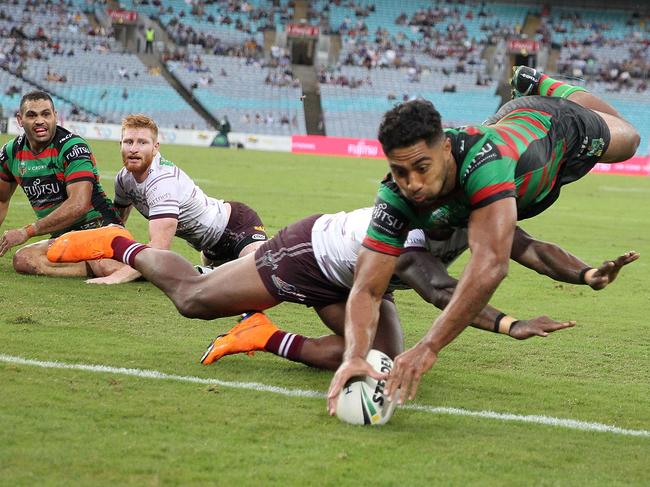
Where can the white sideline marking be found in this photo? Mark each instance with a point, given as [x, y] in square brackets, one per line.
[254, 386]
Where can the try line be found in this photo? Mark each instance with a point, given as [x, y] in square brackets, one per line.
[254, 386]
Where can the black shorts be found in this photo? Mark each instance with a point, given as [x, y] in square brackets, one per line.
[244, 227]
[585, 133]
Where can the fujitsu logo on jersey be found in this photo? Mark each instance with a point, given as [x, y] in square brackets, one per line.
[387, 218]
[76, 151]
[36, 189]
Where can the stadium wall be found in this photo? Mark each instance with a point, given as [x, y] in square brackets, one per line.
[297, 144]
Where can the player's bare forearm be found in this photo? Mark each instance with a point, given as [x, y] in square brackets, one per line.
[124, 212]
[6, 192]
[546, 258]
[361, 318]
[4, 209]
[490, 234]
[123, 275]
[372, 275]
[73, 208]
[480, 280]
[427, 276]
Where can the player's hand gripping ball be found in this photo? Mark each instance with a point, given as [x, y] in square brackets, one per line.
[362, 400]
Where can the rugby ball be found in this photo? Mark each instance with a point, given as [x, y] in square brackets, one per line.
[362, 400]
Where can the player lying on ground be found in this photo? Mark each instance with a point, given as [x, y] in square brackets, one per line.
[486, 177]
[58, 174]
[311, 262]
[174, 205]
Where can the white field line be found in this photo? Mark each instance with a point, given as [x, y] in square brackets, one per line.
[254, 386]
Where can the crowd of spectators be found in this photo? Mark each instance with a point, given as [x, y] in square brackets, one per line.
[197, 25]
[589, 56]
[270, 119]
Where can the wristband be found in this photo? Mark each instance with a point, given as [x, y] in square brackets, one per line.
[30, 230]
[497, 322]
[583, 272]
[512, 325]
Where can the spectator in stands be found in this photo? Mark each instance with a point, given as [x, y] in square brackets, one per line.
[12, 90]
[125, 93]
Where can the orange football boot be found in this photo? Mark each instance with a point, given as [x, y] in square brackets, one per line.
[81, 245]
[251, 333]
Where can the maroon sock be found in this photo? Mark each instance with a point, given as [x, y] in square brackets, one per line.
[125, 249]
[287, 345]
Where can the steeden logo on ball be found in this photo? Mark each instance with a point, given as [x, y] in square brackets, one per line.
[362, 400]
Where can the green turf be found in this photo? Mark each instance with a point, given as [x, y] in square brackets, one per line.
[70, 427]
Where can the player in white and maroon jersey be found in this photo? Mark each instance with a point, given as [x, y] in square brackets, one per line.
[311, 262]
[175, 206]
[336, 239]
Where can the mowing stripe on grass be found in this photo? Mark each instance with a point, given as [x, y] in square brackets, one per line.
[254, 386]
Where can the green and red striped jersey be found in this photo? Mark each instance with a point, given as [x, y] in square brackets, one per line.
[45, 176]
[519, 157]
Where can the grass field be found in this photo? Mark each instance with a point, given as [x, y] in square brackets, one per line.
[85, 427]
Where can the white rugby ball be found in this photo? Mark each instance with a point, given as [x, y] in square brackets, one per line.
[362, 400]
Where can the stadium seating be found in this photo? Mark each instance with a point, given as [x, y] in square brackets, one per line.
[232, 23]
[251, 104]
[84, 68]
[440, 61]
[607, 52]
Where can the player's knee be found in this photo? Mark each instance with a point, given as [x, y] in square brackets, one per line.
[190, 305]
[187, 307]
[635, 140]
[23, 262]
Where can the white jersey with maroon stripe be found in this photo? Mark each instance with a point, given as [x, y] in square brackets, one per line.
[168, 192]
[336, 239]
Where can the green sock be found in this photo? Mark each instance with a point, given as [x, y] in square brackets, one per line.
[552, 87]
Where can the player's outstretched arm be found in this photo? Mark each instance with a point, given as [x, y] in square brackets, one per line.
[553, 261]
[603, 276]
[371, 278]
[491, 230]
[74, 207]
[6, 192]
[427, 275]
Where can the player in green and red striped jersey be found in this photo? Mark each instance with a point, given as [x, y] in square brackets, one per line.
[486, 177]
[57, 172]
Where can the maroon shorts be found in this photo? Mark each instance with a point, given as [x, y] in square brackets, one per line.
[289, 270]
[244, 227]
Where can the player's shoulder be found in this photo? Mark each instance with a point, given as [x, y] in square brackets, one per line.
[473, 147]
[161, 165]
[11, 147]
[70, 146]
[123, 176]
[64, 138]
